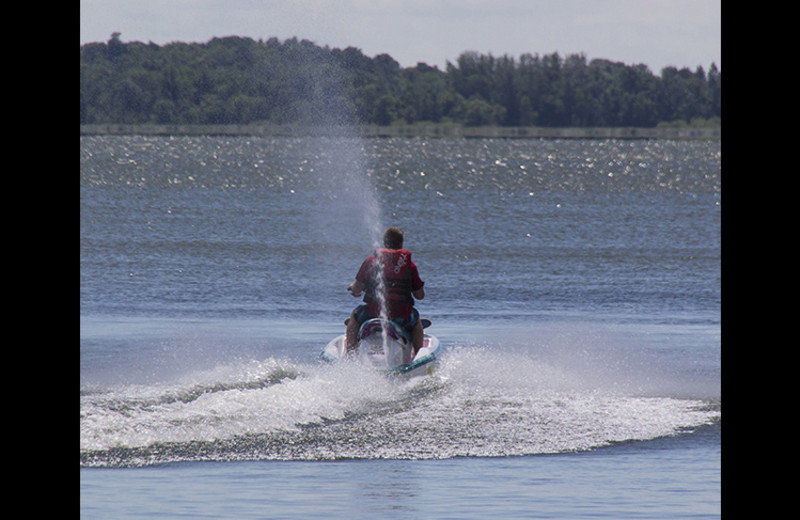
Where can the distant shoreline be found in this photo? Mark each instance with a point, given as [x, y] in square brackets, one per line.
[423, 130]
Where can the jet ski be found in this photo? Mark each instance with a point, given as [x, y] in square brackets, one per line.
[386, 346]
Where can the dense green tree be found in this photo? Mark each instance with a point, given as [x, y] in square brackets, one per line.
[482, 113]
[237, 80]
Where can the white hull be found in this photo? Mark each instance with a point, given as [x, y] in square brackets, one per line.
[387, 354]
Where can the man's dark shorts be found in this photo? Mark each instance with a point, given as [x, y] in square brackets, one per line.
[362, 315]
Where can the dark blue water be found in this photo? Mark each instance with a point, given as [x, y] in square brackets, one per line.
[575, 286]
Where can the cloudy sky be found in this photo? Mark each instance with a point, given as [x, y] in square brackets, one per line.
[657, 33]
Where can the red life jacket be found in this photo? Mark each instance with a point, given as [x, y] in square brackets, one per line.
[396, 274]
[394, 265]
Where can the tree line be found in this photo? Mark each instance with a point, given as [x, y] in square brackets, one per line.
[236, 80]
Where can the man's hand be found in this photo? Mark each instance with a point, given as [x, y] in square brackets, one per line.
[355, 289]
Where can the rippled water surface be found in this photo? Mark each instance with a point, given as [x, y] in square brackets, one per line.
[574, 284]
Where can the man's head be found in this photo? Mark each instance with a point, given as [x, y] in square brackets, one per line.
[393, 238]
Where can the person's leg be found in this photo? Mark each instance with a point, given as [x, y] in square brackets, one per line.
[357, 318]
[351, 334]
[417, 337]
[415, 325]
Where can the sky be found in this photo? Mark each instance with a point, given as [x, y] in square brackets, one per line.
[656, 33]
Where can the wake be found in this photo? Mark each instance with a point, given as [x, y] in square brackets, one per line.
[479, 402]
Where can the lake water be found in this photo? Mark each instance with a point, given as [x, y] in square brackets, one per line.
[574, 285]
